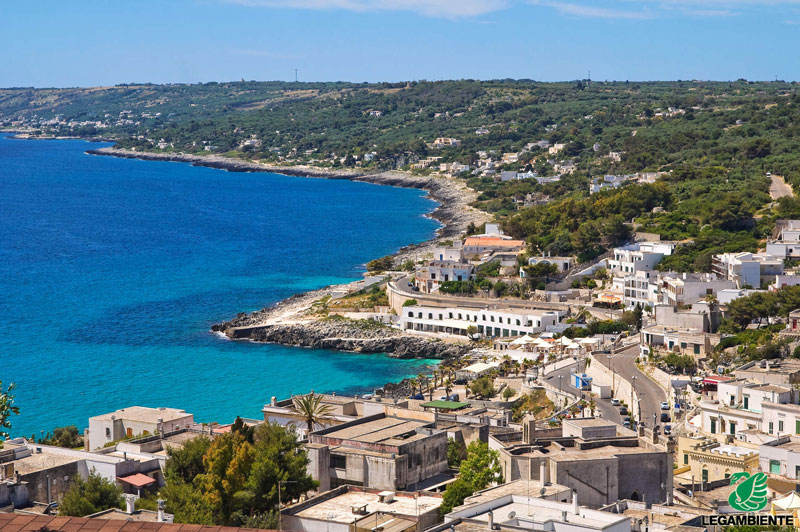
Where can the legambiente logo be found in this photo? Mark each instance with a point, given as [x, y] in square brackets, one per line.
[750, 496]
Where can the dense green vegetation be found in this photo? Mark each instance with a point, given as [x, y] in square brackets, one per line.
[714, 142]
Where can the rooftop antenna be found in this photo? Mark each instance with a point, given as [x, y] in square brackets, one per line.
[295, 75]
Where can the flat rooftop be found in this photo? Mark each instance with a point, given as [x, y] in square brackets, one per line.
[573, 454]
[339, 509]
[520, 511]
[519, 487]
[144, 414]
[387, 430]
[39, 462]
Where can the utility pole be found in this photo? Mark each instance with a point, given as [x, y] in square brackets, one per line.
[295, 75]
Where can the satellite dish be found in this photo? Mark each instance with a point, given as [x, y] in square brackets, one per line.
[512, 515]
[543, 491]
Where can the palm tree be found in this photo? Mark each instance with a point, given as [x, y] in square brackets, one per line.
[311, 408]
[413, 384]
[448, 387]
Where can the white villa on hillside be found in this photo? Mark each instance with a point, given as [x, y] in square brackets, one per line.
[491, 323]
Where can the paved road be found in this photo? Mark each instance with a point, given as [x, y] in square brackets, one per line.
[604, 408]
[648, 392]
[779, 188]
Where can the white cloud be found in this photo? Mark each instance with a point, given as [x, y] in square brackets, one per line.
[592, 10]
[431, 8]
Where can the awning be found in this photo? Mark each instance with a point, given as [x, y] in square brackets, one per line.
[137, 480]
[715, 379]
[790, 502]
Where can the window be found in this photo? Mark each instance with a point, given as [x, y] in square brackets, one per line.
[732, 426]
[713, 426]
[410, 314]
[129, 432]
[338, 461]
[430, 315]
[440, 316]
[770, 427]
[775, 467]
[517, 322]
[705, 475]
[780, 426]
[108, 432]
[796, 472]
[746, 402]
[797, 426]
[685, 459]
[696, 349]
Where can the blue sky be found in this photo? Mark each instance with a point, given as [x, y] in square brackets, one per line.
[102, 42]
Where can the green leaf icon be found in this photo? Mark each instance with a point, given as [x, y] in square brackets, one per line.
[751, 494]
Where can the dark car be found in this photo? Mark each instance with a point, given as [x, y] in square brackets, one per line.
[623, 411]
[667, 430]
[664, 417]
[626, 419]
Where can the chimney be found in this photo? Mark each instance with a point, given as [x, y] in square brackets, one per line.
[161, 517]
[130, 503]
[575, 508]
[564, 516]
[542, 473]
[273, 401]
[490, 515]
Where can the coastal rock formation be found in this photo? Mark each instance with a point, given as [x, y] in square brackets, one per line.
[349, 335]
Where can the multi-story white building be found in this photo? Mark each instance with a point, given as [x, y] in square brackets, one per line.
[430, 277]
[639, 288]
[687, 288]
[786, 245]
[747, 269]
[745, 405]
[135, 421]
[490, 323]
[639, 256]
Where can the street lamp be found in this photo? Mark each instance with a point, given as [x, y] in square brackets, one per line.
[633, 390]
[611, 368]
[559, 383]
[280, 483]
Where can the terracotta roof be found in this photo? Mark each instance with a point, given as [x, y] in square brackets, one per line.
[35, 523]
[137, 479]
[492, 241]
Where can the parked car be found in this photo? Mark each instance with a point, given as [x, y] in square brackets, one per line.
[667, 430]
[626, 419]
[664, 405]
[626, 424]
[664, 417]
[623, 411]
[418, 396]
[615, 402]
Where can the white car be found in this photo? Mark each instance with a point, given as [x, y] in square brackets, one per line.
[664, 405]
[615, 402]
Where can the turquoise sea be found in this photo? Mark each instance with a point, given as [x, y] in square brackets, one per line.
[113, 270]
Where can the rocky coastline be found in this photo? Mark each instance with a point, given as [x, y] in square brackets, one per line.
[286, 322]
[356, 336]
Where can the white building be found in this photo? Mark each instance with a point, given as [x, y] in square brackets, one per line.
[135, 421]
[745, 405]
[490, 323]
[562, 263]
[746, 269]
[430, 277]
[639, 256]
[518, 512]
[781, 457]
[640, 288]
[686, 288]
[787, 243]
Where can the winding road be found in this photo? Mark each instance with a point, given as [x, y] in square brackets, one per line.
[647, 391]
[604, 407]
[779, 188]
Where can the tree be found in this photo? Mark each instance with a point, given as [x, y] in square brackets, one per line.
[481, 467]
[85, 497]
[7, 408]
[227, 462]
[68, 437]
[455, 453]
[508, 393]
[482, 388]
[185, 501]
[454, 495]
[311, 409]
[240, 426]
[381, 264]
[185, 463]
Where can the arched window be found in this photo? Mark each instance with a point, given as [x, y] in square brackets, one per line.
[635, 496]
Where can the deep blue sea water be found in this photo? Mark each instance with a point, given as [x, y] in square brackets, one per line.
[113, 270]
